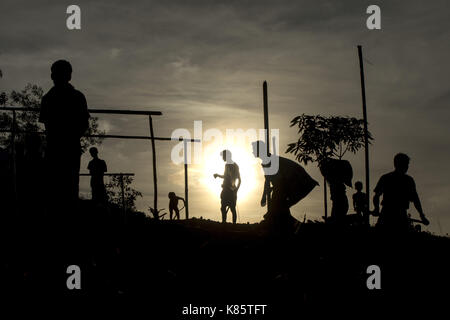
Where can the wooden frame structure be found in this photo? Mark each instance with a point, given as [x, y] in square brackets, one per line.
[151, 137]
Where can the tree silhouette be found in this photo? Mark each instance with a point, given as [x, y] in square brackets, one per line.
[322, 138]
[114, 192]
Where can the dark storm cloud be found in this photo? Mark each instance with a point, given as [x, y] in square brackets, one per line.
[206, 60]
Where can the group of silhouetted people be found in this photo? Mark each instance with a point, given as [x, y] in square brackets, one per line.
[65, 115]
[290, 183]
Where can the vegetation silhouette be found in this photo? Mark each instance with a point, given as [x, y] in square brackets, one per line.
[322, 140]
[114, 191]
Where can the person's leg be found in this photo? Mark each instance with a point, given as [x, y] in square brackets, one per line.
[233, 212]
[223, 209]
[94, 192]
[177, 213]
[223, 205]
[170, 213]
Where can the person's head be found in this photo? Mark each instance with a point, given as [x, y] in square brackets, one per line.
[401, 162]
[94, 152]
[61, 72]
[171, 195]
[226, 155]
[358, 185]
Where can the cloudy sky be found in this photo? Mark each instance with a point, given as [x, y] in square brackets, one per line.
[206, 60]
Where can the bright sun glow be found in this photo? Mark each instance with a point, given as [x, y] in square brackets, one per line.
[213, 163]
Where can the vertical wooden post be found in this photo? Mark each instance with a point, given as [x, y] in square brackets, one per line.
[366, 135]
[186, 195]
[122, 190]
[155, 179]
[325, 200]
[266, 128]
[14, 162]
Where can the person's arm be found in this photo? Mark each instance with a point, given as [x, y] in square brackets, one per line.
[43, 115]
[354, 201]
[418, 206]
[376, 198]
[239, 180]
[84, 120]
[182, 199]
[216, 175]
[376, 202]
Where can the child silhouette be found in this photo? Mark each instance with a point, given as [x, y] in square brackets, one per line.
[173, 205]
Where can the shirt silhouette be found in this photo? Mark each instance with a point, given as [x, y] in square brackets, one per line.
[398, 190]
[65, 116]
[359, 199]
[97, 168]
[228, 196]
[290, 184]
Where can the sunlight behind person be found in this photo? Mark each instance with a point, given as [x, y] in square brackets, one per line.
[213, 163]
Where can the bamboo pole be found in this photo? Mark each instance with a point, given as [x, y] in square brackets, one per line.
[109, 136]
[129, 112]
[366, 135]
[122, 190]
[104, 111]
[186, 195]
[325, 200]
[155, 179]
[266, 128]
[14, 163]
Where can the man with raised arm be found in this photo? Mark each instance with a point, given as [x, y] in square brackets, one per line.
[228, 196]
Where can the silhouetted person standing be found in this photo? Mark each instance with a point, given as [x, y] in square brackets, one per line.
[286, 186]
[97, 168]
[398, 190]
[65, 115]
[228, 196]
[173, 205]
[360, 203]
[338, 174]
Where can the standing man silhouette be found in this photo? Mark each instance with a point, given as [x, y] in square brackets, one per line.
[97, 168]
[65, 115]
[228, 196]
[398, 190]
